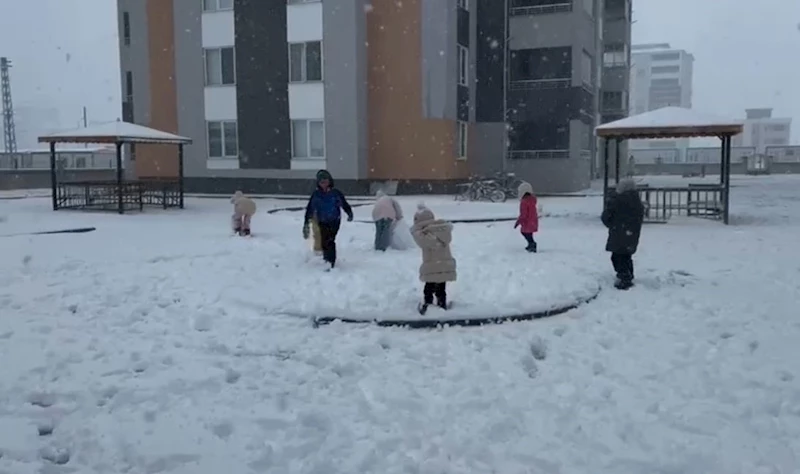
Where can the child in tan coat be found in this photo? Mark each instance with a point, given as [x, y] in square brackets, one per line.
[243, 210]
[438, 265]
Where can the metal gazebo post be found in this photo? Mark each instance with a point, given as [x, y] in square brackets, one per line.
[605, 171]
[53, 176]
[722, 161]
[617, 146]
[120, 203]
[180, 174]
[727, 198]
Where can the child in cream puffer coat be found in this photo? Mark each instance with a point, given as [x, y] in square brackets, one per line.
[438, 265]
[243, 210]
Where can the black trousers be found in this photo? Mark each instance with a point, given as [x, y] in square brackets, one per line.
[327, 233]
[623, 265]
[529, 239]
[435, 289]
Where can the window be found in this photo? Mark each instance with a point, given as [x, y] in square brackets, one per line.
[586, 68]
[463, 139]
[664, 69]
[541, 64]
[308, 139]
[220, 67]
[666, 56]
[463, 66]
[776, 127]
[126, 28]
[129, 85]
[464, 4]
[80, 162]
[217, 5]
[616, 54]
[665, 83]
[305, 61]
[223, 139]
[127, 102]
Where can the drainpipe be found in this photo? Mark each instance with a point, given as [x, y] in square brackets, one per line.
[506, 42]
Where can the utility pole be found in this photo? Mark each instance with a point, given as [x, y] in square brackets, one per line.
[9, 131]
[85, 124]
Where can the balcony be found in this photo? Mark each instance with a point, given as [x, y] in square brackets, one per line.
[539, 7]
[540, 84]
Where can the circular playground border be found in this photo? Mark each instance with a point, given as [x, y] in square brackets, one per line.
[432, 323]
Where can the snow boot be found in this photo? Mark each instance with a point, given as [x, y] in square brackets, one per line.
[531, 248]
[246, 233]
[422, 308]
[623, 284]
[442, 304]
[237, 231]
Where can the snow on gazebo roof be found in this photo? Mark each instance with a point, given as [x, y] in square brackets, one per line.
[670, 122]
[114, 132]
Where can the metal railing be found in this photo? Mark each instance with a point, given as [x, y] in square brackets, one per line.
[696, 200]
[104, 195]
[538, 154]
[563, 7]
[538, 84]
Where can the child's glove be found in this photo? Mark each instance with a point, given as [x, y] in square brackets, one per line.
[516, 224]
[349, 218]
[305, 231]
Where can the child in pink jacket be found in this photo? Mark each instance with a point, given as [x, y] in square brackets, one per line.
[243, 210]
[528, 218]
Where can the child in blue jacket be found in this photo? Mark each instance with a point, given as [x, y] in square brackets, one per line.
[326, 204]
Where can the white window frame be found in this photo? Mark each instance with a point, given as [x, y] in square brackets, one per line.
[304, 63]
[211, 6]
[308, 123]
[222, 82]
[462, 140]
[222, 139]
[463, 66]
[463, 4]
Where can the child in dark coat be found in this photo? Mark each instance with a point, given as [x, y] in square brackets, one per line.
[623, 215]
[326, 204]
[528, 219]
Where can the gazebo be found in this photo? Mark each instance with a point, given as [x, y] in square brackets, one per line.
[120, 194]
[710, 200]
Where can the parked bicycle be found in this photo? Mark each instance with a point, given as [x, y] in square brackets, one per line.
[481, 189]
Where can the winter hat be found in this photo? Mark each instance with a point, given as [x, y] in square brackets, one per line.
[324, 174]
[423, 214]
[380, 193]
[625, 185]
[236, 196]
[524, 188]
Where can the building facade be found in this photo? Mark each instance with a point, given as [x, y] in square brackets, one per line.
[414, 91]
[660, 76]
[762, 130]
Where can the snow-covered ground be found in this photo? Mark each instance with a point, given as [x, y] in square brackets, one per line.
[160, 344]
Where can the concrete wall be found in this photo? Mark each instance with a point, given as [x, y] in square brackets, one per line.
[136, 57]
[439, 56]
[190, 74]
[345, 71]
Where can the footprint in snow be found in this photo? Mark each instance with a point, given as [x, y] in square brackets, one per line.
[538, 348]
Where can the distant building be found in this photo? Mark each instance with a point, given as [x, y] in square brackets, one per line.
[762, 130]
[661, 76]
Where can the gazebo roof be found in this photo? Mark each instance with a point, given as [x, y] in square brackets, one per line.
[114, 132]
[669, 122]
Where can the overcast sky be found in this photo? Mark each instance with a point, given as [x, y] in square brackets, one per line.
[746, 53]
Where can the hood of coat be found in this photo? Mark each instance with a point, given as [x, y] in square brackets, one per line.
[325, 174]
[524, 188]
[423, 214]
[237, 196]
[626, 185]
[439, 228]
[380, 193]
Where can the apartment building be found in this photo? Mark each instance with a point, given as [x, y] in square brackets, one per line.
[660, 76]
[412, 91]
[762, 130]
